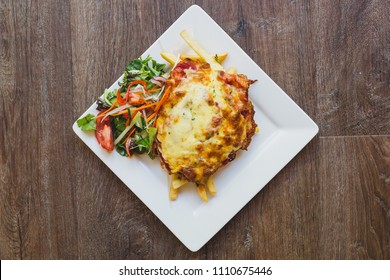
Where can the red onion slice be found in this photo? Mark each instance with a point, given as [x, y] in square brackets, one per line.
[156, 82]
[159, 78]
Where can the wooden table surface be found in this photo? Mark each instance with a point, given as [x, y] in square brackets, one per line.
[59, 201]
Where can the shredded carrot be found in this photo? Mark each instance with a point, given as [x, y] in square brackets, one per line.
[103, 114]
[128, 139]
[151, 116]
[163, 99]
[135, 109]
[127, 147]
[153, 90]
[128, 136]
[146, 106]
[128, 151]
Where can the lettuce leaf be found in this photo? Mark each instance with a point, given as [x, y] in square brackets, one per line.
[87, 123]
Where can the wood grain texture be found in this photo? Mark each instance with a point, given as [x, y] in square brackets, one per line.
[355, 198]
[59, 201]
[353, 66]
[37, 193]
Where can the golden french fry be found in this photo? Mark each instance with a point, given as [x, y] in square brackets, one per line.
[231, 70]
[200, 51]
[173, 193]
[210, 186]
[217, 57]
[169, 57]
[177, 182]
[202, 192]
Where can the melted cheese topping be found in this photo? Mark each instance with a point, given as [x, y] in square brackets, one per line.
[200, 125]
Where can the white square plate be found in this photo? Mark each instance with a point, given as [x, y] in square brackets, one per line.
[284, 130]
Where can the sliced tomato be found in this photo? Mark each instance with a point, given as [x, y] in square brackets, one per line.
[104, 133]
[135, 99]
